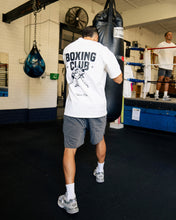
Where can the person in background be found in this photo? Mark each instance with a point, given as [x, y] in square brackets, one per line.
[87, 63]
[165, 61]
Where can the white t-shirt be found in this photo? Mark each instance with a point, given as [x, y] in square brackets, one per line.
[165, 56]
[86, 63]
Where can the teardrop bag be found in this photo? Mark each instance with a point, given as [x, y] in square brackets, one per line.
[109, 24]
[34, 65]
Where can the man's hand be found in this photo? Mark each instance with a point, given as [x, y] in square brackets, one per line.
[118, 79]
[154, 59]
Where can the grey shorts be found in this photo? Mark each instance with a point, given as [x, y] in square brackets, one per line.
[164, 72]
[74, 130]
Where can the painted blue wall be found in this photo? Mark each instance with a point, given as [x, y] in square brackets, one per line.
[27, 115]
[159, 119]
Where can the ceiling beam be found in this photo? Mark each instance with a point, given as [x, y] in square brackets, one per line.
[24, 9]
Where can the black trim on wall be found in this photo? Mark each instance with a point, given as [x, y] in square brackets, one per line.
[27, 115]
[25, 9]
[150, 104]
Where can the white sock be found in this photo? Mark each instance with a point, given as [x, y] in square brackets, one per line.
[70, 191]
[165, 93]
[100, 167]
[157, 93]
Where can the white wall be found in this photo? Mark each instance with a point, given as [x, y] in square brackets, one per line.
[43, 92]
[25, 92]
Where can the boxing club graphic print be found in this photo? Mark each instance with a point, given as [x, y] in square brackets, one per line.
[79, 63]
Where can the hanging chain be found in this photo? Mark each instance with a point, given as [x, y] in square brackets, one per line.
[35, 10]
[35, 28]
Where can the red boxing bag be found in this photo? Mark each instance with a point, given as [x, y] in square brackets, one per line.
[109, 24]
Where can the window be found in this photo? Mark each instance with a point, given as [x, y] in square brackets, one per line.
[67, 35]
[3, 74]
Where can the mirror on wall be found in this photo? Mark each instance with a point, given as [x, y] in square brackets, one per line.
[4, 74]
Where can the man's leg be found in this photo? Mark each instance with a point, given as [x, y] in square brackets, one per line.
[69, 165]
[97, 128]
[166, 88]
[74, 133]
[101, 154]
[68, 200]
[161, 74]
[101, 151]
[158, 86]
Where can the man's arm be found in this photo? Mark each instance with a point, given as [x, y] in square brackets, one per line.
[155, 59]
[174, 61]
[118, 79]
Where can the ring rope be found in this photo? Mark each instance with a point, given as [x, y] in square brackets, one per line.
[160, 48]
[142, 64]
[149, 81]
[152, 48]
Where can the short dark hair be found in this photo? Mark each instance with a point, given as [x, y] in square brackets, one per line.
[167, 33]
[89, 31]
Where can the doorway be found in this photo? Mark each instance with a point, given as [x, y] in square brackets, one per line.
[67, 35]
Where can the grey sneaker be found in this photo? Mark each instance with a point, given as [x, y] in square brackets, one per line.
[166, 98]
[99, 176]
[70, 206]
[156, 97]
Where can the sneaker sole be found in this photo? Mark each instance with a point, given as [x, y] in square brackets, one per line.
[99, 181]
[68, 211]
[167, 100]
[60, 205]
[72, 212]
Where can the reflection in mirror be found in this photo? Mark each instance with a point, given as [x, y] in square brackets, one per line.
[3, 74]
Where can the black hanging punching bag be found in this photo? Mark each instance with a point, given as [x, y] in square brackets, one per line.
[109, 24]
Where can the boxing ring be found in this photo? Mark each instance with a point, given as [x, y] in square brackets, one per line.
[147, 112]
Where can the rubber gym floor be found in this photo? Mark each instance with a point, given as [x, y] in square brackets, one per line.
[140, 174]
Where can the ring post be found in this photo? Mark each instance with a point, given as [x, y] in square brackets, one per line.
[147, 72]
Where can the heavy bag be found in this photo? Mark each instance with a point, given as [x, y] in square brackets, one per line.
[109, 24]
[34, 65]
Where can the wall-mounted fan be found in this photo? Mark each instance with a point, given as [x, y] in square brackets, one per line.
[76, 18]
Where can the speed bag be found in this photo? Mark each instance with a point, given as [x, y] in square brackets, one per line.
[109, 24]
[34, 65]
